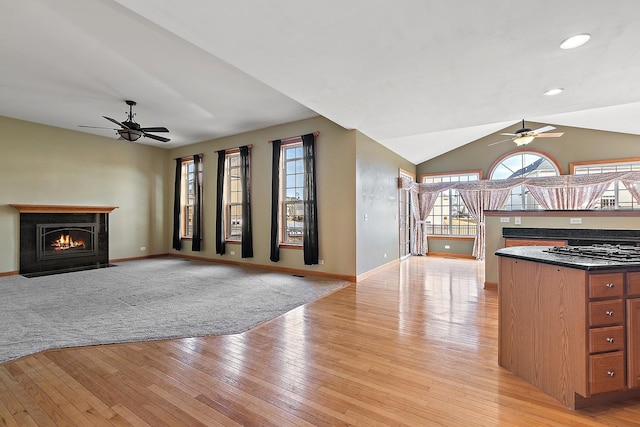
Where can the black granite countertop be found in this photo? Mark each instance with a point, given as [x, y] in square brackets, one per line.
[538, 254]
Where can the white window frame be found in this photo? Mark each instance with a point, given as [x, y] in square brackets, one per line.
[233, 197]
[616, 195]
[292, 193]
[521, 194]
[439, 220]
[187, 197]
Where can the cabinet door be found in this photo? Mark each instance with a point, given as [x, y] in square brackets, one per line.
[633, 342]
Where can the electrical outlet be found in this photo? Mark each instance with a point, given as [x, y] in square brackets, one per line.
[384, 256]
[232, 252]
[143, 248]
[320, 261]
[504, 219]
[447, 246]
[575, 221]
[517, 220]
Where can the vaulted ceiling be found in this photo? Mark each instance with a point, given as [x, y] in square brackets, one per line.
[421, 77]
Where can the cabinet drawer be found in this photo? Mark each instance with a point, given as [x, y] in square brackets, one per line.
[608, 312]
[606, 372]
[606, 285]
[633, 283]
[606, 339]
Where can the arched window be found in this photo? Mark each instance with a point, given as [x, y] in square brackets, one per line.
[523, 164]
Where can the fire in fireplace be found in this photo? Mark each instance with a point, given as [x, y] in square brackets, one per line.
[66, 240]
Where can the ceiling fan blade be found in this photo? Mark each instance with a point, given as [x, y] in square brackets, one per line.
[500, 142]
[116, 122]
[156, 129]
[550, 135]
[508, 134]
[156, 137]
[544, 129]
[95, 127]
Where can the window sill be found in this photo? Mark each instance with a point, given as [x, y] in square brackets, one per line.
[290, 246]
[441, 237]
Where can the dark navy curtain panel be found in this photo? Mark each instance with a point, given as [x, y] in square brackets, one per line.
[220, 237]
[310, 220]
[177, 241]
[196, 237]
[245, 181]
[275, 200]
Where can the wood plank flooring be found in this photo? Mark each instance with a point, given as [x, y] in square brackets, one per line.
[413, 345]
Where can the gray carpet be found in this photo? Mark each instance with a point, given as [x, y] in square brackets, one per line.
[145, 300]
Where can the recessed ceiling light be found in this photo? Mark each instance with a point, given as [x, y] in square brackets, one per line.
[554, 91]
[575, 41]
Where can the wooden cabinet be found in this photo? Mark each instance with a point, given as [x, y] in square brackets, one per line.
[633, 342]
[572, 333]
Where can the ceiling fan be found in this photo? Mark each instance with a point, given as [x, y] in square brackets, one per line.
[130, 130]
[525, 135]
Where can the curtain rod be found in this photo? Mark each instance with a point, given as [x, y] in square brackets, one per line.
[291, 138]
[202, 155]
[237, 148]
[190, 155]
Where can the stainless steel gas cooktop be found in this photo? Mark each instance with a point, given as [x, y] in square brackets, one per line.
[621, 253]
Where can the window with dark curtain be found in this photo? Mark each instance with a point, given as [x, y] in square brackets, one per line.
[196, 237]
[220, 237]
[247, 230]
[310, 220]
[275, 200]
[177, 241]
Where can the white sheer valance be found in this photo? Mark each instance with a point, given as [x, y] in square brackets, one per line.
[564, 192]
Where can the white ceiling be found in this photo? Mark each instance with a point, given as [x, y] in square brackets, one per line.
[422, 77]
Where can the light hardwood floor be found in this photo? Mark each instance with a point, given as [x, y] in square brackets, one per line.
[415, 345]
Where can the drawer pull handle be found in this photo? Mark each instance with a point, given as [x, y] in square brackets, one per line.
[610, 285]
[610, 340]
[611, 373]
[609, 312]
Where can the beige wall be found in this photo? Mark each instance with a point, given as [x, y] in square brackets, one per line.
[47, 165]
[376, 183]
[575, 145]
[335, 175]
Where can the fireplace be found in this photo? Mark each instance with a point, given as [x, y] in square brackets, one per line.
[57, 239]
[66, 240]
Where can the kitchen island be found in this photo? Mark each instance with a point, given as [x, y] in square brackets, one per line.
[570, 324]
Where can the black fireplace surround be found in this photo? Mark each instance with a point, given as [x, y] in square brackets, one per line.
[62, 242]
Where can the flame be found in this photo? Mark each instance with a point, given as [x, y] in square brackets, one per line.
[66, 242]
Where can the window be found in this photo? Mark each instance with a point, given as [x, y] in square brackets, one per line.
[449, 216]
[188, 197]
[616, 196]
[233, 197]
[523, 164]
[292, 181]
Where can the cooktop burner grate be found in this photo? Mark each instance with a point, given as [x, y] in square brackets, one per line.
[621, 253]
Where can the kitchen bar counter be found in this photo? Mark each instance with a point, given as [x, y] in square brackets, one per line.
[570, 325]
[538, 254]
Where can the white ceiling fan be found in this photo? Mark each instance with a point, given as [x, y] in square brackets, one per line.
[524, 135]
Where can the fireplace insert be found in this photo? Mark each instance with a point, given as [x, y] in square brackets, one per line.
[65, 240]
[60, 242]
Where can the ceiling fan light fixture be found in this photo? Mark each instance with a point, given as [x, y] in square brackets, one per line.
[523, 140]
[130, 134]
[554, 91]
[575, 41]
